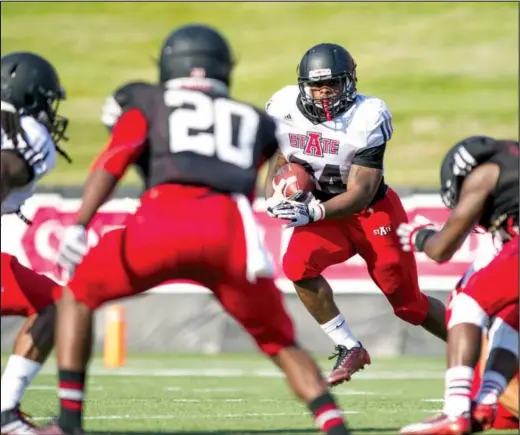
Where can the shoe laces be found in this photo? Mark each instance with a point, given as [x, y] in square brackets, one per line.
[341, 354]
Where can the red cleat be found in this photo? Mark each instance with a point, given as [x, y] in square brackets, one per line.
[440, 425]
[483, 417]
[348, 362]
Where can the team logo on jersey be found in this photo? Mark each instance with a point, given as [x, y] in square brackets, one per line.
[383, 230]
[313, 144]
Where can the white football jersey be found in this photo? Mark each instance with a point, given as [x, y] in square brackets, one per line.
[39, 152]
[327, 149]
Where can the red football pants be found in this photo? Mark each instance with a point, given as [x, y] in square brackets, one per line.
[25, 292]
[371, 234]
[187, 233]
[496, 286]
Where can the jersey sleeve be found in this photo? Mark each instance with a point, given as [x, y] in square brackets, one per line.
[378, 125]
[126, 97]
[127, 141]
[376, 131]
[277, 105]
[36, 147]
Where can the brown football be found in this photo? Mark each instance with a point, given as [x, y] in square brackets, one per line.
[297, 179]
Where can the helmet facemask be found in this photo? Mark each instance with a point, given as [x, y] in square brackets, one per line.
[343, 87]
[56, 124]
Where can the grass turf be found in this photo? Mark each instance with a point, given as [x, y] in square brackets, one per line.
[446, 70]
[239, 394]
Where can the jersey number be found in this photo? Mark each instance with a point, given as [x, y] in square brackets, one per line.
[330, 179]
[222, 128]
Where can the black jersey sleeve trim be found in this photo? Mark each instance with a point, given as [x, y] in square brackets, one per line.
[370, 157]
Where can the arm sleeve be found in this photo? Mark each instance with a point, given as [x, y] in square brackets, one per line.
[126, 143]
[370, 157]
[379, 127]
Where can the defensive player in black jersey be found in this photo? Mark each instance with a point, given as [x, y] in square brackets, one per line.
[479, 179]
[200, 152]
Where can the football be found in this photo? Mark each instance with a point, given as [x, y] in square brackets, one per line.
[297, 179]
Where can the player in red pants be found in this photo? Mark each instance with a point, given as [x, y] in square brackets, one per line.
[504, 324]
[479, 179]
[27, 294]
[200, 152]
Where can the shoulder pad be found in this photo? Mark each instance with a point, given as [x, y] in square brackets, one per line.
[282, 101]
[124, 98]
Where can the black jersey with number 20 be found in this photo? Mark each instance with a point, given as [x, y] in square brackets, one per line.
[200, 138]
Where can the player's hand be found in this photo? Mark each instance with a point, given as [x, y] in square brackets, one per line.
[277, 197]
[407, 233]
[73, 248]
[300, 213]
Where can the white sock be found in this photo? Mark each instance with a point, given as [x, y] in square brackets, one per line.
[18, 374]
[492, 386]
[457, 398]
[339, 332]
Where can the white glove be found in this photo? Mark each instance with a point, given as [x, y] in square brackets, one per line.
[407, 233]
[73, 247]
[301, 209]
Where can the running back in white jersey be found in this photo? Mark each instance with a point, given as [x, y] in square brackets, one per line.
[40, 154]
[328, 149]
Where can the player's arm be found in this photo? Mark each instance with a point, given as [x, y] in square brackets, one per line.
[14, 172]
[126, 143]
[476, 189]
[363, 181]
[276, 162]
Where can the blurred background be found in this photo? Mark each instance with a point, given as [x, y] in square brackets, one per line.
[446, 70]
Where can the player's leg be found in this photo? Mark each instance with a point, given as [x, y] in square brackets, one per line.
[501, 366]
[29, 294]
[259, 309]
[155, 246]
[393, 270]
[487, 292]
[312, 249]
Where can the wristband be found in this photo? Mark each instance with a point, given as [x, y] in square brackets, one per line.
[421, 237]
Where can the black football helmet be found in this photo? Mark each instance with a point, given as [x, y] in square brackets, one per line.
[326, 65]
[461, 159]
[32, 85]
[195, 51]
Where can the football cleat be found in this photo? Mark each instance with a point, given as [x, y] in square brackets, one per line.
[15, 422]
[440, 425]
[482, 417]
[348, 362]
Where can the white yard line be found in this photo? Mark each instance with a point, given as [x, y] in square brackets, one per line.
[194, 417]
[433, 400]
[240, 373]
[53, 388]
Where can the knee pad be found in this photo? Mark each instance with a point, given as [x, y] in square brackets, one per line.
[464, 309]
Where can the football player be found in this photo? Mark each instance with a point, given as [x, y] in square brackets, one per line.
[343, 146]
[200, 152]
[31, 129]
[494, 338]
[479, 182]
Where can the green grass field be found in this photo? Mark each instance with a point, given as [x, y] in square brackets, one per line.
[239, 395]
[446, 70]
